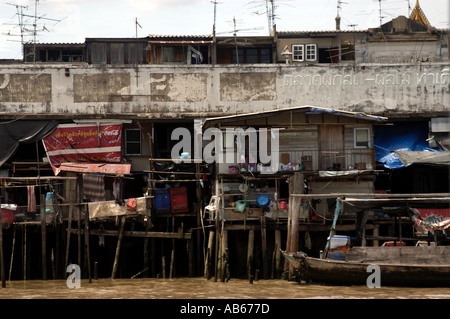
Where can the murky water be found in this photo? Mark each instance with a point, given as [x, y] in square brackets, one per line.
[200, 288]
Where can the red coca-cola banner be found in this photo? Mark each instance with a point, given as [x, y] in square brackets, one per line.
[82, 143]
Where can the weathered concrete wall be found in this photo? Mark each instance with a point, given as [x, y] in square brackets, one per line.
[153, 91]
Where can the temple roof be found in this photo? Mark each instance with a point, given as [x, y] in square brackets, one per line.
[417, 15]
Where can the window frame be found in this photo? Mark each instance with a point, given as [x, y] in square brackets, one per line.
[367, 129]
[295, 48]
[133, 142]
[308, 53]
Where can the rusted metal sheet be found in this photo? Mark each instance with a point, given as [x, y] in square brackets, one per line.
[119, 169]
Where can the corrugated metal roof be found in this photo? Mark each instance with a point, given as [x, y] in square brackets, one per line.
[54, 44]
[180, 36]
[305, 108]
[318, 32]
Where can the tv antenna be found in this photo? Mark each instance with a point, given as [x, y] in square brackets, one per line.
[236, 43]
[214, 22]
[269, 11]
[23, 24]
[137, 25]
[380, 12]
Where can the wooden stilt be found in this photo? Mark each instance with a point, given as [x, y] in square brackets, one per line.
[277, 253]
[69, 228]
[43, 238]
[12, 252]
[79, 235]
[163, 266]
[224, 252]
[119, 241]
[209, 252]
[218, 255]
[172, 261]
[146, 253]
[86, 242]
[295, 214]
[2, 260]
[25, 251]
[153, 258]
[190, 248]
[52, 259]
[264, 248]
[250, 245]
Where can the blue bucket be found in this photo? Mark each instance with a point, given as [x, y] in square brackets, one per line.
[263, 201]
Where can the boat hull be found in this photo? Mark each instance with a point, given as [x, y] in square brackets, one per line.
[337, 272]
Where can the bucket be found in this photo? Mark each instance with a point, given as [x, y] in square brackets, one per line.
[240, 206]
[263, 200]
[283, 204]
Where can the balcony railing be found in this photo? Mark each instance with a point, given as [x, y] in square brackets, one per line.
[322, 160]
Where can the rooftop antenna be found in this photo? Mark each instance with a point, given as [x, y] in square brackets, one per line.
[137, 25]
[269, 11]
[380, 11]
[214, 22]
[20, 17]
[35, 22]
[235, 31]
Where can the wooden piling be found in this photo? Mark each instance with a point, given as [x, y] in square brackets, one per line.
[277, 252]
[12, 252]
[2, 260]
[294, 213]
[119, 241]
[190, 252]
[163, 262]
[224, 250]
[250, 245]
[146, 254]
[86, 242]
[208, 258]
[43, 237]
[69, 228]
[264, 248]
[172, 261]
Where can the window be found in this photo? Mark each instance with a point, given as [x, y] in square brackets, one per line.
[133, 142]
[362, 137]
[311, 52]
[297, 52]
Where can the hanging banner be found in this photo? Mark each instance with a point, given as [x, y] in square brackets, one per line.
[84, 143]
[429, 220]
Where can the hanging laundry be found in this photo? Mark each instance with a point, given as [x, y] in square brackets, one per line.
[31, 199]
[117, 191]
[94, 187]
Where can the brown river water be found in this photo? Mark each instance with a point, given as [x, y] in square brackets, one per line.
[202, 298]
[201, 288]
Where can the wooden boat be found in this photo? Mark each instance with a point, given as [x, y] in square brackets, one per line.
[399, 266]
[347, 264]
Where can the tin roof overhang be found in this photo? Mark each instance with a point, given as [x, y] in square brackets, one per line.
[209, 122]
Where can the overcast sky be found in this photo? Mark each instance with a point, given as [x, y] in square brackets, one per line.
[80, 19]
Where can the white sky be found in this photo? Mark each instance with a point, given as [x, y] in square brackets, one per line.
[82, 19]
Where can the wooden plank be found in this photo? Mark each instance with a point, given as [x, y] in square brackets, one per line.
[428, 255]
[141, 234]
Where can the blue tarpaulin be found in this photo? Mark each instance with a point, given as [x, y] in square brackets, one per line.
[399, 137]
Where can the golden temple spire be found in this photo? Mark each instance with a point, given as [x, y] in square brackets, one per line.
[418, 16]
